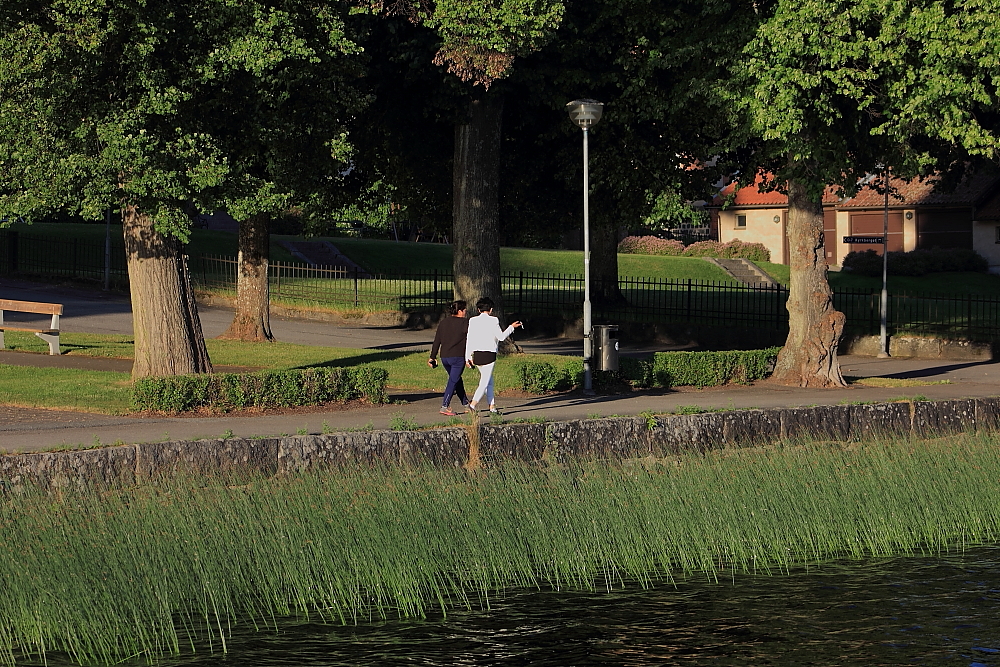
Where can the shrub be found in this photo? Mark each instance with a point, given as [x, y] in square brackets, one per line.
[916, 262]
[664, 370]
[710, 369]
[539, 377]
[650, 245]
[703, 249]
[232, 391]
[736, 249]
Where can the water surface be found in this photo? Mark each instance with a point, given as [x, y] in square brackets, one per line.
[906, 611]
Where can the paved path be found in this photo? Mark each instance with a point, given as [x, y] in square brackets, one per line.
[32, 429]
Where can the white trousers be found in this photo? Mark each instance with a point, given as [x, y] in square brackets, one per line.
[485, 384]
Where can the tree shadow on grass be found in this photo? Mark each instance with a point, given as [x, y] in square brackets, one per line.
[347, 362]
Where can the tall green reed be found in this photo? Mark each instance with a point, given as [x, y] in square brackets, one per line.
[105, 575]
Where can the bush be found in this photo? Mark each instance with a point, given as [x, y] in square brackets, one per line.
[233, 391]
[711, 369]
[650, 245]
[539, 377]
[735, 249]
[915, 262]
[664, 370]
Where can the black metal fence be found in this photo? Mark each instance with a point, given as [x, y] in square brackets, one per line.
[646, 299]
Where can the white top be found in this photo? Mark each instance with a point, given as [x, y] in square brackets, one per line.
[484, 334]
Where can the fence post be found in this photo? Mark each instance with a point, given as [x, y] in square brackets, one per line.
[355, 286]
[278, 271]
[435, 288]
[968, 315]
[520, 291]
[689, 300]
[75, 240]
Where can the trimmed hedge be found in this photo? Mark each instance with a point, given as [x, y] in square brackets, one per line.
[735, 249]
[915, 262]
[664, 370]
[267, 389]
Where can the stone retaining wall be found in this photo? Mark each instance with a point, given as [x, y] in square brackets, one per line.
[611, 438]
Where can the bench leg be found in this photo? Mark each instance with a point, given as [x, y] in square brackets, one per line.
[52, 340]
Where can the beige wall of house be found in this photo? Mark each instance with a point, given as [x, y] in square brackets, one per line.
[909, 230]
[984, 241]
[843, 229]
[760, 228]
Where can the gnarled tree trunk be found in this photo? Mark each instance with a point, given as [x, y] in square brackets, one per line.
[252, 321]
[809, 357]
[476, 211]
[168, 335]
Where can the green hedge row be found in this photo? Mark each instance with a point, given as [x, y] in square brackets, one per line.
[233, 391]
[664, 370]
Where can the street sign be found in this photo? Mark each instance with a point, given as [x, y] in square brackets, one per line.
[864, 239]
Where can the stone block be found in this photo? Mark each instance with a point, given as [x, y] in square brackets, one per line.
[821, 422]
[687, 433]
[988, 414]
[879, 420]
[230, 456]
[439, 447]
[108, 466]
[744, 428]
[943, 417]
[521, 442]
[296, 454]
[614, 438]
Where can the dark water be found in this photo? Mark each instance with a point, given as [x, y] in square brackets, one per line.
[906, 611]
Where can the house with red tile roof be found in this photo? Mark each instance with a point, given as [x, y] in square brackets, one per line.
[919, 217]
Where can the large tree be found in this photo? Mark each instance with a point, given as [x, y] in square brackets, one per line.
[834, 90]
[102, 106]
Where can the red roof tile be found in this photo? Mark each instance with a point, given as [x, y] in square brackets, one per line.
[921, 193]
[752, 196]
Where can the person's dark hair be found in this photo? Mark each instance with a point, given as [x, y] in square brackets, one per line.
[485, 304]
[457, 306]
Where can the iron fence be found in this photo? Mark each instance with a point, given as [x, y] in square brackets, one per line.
[525, 294]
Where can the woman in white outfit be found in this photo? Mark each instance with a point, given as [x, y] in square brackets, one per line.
[481, 349]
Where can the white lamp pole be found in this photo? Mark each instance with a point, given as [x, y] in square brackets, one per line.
[585, 113]
[883, 351]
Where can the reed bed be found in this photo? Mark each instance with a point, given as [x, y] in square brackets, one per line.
[106, 575]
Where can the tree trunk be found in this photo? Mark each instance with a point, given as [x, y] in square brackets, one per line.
[252, 321]
[809, 357]
[604, 289]
[476, 211]
[168, 336]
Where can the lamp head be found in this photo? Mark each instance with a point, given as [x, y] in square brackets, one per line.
[585, 113]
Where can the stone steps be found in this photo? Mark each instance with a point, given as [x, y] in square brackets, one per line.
[743, 270]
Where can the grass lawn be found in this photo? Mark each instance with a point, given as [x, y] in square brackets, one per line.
[391, 256]
[100, 391]
[93, 391]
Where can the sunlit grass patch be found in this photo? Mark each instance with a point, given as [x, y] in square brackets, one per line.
[893, 382]
[93, 391]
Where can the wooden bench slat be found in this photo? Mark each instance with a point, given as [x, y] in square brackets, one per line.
[31, 307]
[4, 327]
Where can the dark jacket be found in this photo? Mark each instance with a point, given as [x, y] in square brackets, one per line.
[450, 337]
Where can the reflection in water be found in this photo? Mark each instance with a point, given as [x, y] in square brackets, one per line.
[923, 611]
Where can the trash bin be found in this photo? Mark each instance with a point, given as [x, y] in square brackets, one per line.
[606, 347]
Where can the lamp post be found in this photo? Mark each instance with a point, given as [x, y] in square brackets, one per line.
[585, 114]
[883, 347]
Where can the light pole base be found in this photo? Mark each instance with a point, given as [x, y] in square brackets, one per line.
[883, 355]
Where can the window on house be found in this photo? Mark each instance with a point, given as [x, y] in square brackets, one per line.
[741, 222]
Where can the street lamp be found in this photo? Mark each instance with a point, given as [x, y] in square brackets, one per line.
[585, 114]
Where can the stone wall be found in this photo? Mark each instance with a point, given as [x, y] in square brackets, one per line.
[612, 438]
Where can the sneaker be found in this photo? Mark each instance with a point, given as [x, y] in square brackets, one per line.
[448, 412]
[495, 410]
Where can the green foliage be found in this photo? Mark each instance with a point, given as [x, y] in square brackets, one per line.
[916, 262]
[385, 542]
[539, 377]
[664, 370]
[711, 369]
[669, 211]
[267, 389]
[651, 245]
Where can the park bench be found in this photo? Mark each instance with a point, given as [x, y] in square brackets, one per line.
[49, 335]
